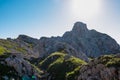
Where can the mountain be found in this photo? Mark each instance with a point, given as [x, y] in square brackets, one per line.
[80, 54]
[79, 42]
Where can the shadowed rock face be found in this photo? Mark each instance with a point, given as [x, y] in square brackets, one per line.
[79, 42]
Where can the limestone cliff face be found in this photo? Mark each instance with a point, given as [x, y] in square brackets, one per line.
[80, 42]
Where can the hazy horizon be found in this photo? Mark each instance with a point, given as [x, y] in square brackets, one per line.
[37, 18]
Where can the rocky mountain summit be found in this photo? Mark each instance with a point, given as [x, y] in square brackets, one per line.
[91, 42]
[80, 42]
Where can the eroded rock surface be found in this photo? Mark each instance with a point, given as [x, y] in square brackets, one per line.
[102, 68]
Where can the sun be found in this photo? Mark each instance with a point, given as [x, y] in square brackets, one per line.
[85, 8]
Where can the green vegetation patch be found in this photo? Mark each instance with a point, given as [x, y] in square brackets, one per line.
[73, 74]
[7, 43]
[59, 65]
[50, 60]
[2, 50]
[114, 62]
[12, 45]
[110, 60]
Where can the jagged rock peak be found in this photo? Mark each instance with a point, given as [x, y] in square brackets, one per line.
[27, 39]
[80, 27]
[23, 36]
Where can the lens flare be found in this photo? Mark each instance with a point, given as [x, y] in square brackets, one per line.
[85, 8]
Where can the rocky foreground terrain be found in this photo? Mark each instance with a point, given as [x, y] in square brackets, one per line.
[80, 54]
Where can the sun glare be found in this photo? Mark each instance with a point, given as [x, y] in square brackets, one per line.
[85, 8]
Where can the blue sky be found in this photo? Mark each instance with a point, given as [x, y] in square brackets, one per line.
[38, 18]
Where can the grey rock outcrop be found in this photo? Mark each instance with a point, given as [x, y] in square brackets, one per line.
[27, 43]
[80, 42]
[100, 72]
[28, 39]
[23, 67]
[101, 68]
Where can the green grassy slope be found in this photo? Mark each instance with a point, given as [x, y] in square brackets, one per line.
[59, 65]
[13, 46]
